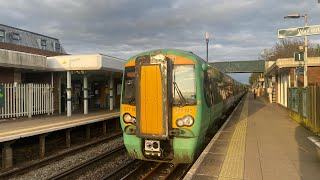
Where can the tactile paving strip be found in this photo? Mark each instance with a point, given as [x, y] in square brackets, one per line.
[233, 165]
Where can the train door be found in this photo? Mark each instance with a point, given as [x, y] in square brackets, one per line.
[153, 90]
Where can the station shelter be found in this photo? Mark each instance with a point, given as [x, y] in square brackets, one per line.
[36, 82]
[87, 82]
[285, 73]
[26, 87]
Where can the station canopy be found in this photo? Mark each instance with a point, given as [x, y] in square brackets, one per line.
[87, 62]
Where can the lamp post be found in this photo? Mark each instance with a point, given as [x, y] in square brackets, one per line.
[207, 41]
[305, 73]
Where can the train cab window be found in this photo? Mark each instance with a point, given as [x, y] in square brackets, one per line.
[184, 86]
[129, 89]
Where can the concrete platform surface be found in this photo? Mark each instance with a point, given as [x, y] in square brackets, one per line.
[15, 129]
[258, 141]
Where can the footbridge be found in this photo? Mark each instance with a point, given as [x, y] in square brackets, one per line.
[254, 66]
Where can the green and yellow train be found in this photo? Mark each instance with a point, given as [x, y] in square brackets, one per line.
[170, 98]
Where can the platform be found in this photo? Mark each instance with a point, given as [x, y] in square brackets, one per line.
[258, 141]
[15, 129]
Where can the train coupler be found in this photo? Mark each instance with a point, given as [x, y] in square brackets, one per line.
[152, 148]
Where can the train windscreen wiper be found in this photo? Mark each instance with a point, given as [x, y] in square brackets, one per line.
[182, 99]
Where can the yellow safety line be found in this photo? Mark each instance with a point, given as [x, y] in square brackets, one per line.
[233, 165]
[56, 124]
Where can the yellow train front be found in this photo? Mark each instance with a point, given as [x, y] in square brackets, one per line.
[168, 103]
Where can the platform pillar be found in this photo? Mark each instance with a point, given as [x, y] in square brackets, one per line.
[7, 155]
[59, 91]
[69, 110]
[104, 127]
[68, 137]
[30, 100]
[117, 125]
[42, 145]
[88, 131]
[85, 94]
[111, 92]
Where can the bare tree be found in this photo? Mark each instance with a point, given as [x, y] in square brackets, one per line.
[286, 48]
[253, 77]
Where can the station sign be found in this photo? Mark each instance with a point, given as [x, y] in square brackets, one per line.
[298, 56]
[2, 95]
[299, 31]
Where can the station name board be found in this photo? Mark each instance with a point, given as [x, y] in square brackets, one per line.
[299, 31]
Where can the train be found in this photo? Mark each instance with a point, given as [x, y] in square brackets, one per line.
[170, 99]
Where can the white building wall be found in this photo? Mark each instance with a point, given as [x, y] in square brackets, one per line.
[283, 85]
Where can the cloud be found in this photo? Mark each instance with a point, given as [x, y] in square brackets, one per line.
[239, 29]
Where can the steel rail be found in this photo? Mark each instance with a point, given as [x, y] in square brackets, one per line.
[91, 161]
[123, 168]
[47, 160]
[159, 172]
[152, 171]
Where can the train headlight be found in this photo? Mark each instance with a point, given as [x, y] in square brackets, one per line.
[127, 118]
[185, 121]
[179, 123]
[188, 120]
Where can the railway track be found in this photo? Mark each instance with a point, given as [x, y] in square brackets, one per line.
[74, 170]
[165, 171]
[124, 170]
[160, 171]
[145, 170]
[37, 164]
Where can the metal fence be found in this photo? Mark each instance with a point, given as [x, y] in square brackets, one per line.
[18, 100]
[304, 104]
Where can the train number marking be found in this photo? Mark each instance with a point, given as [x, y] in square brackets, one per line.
[184, 110]
[129, 109]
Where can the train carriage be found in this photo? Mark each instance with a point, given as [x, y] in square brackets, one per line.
[170, 98]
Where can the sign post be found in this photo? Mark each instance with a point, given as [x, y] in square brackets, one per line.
[301, 31]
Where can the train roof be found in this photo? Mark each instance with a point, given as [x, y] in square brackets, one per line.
[178, 52]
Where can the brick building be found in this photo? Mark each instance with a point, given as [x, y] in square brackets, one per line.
[23, 59]
[26, 47]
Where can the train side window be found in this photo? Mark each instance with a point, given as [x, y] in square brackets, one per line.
[207, 89]
[215, 92]
[212, 91]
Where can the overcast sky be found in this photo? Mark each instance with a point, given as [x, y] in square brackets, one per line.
[239, 29]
